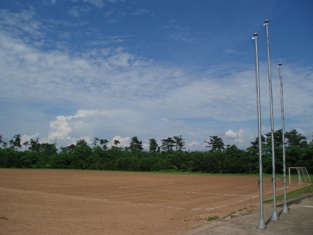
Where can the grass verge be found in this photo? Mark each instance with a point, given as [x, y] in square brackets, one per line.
[307, 190]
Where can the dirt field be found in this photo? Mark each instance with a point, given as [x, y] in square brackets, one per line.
[94, 202]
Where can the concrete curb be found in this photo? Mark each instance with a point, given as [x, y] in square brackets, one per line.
[247, 222]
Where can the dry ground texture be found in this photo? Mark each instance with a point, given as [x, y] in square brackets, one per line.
[99, 202]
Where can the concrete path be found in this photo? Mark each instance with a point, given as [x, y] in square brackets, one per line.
[299, 220]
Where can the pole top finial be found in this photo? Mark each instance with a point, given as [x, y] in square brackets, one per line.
[266, 21]
[280, 64]
[255, 35]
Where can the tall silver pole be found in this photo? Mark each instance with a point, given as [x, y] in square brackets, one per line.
[274, 215]
[257, 81]
[285, 208]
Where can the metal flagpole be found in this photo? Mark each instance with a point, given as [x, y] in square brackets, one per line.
[285, 208]
[274, 215]
[257, 81]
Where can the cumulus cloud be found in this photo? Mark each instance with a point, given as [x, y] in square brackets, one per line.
[95, 123]
[231, 133]
[108, 92]
[237, 136]
[60, 129]
[123, 141]
[26, 138]
[117, 124]
[193, 145]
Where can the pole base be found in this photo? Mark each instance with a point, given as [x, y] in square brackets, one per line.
[262, 224]
[285, 209]
[274, 216]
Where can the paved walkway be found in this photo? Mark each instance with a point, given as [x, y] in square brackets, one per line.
[299, 220]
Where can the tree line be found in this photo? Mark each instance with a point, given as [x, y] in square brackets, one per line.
[169, 156]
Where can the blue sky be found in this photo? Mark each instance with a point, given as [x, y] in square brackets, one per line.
[115, 69]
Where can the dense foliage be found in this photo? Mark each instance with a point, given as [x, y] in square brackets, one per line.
[169, 156]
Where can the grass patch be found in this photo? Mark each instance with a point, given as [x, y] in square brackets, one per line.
[294, 194]
[3, 218]
[211, 218]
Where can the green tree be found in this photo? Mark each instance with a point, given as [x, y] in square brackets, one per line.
[61, 160]
[179, 143]
[44, 151]
[253, 150]
[3, 142]
[135, 144]
[34, 145]
[81, 155]
[95, 142]
[29, 159]
[68, 149]
[153, 145]
[116, 143]
[48, 149]
[97, 158]
[306, 158]
[26, 143]
[236, 160]
[16, 142]
[168, 144]
[295, 139]
[1, 139]
[104, 143]
[215, 144]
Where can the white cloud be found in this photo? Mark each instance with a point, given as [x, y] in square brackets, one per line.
[76, 11]
[136, 92]
[60, 129]
[236, 136]
[123, 142]
[26, 138]
[96, 3]
[121, 58]
[193, 145]
[108, 91]
[95, 123]
[101, 3]
[48, 2]
[231, 133]
[139, 12]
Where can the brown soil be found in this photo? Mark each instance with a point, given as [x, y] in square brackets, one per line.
[95, 202]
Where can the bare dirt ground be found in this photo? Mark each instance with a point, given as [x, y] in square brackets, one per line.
[99, 202]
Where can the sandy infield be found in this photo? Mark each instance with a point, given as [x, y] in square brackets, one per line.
[100, 202]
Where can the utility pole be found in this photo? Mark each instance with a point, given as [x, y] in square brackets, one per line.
[285, 208]
[274, 215]
[257, 81]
